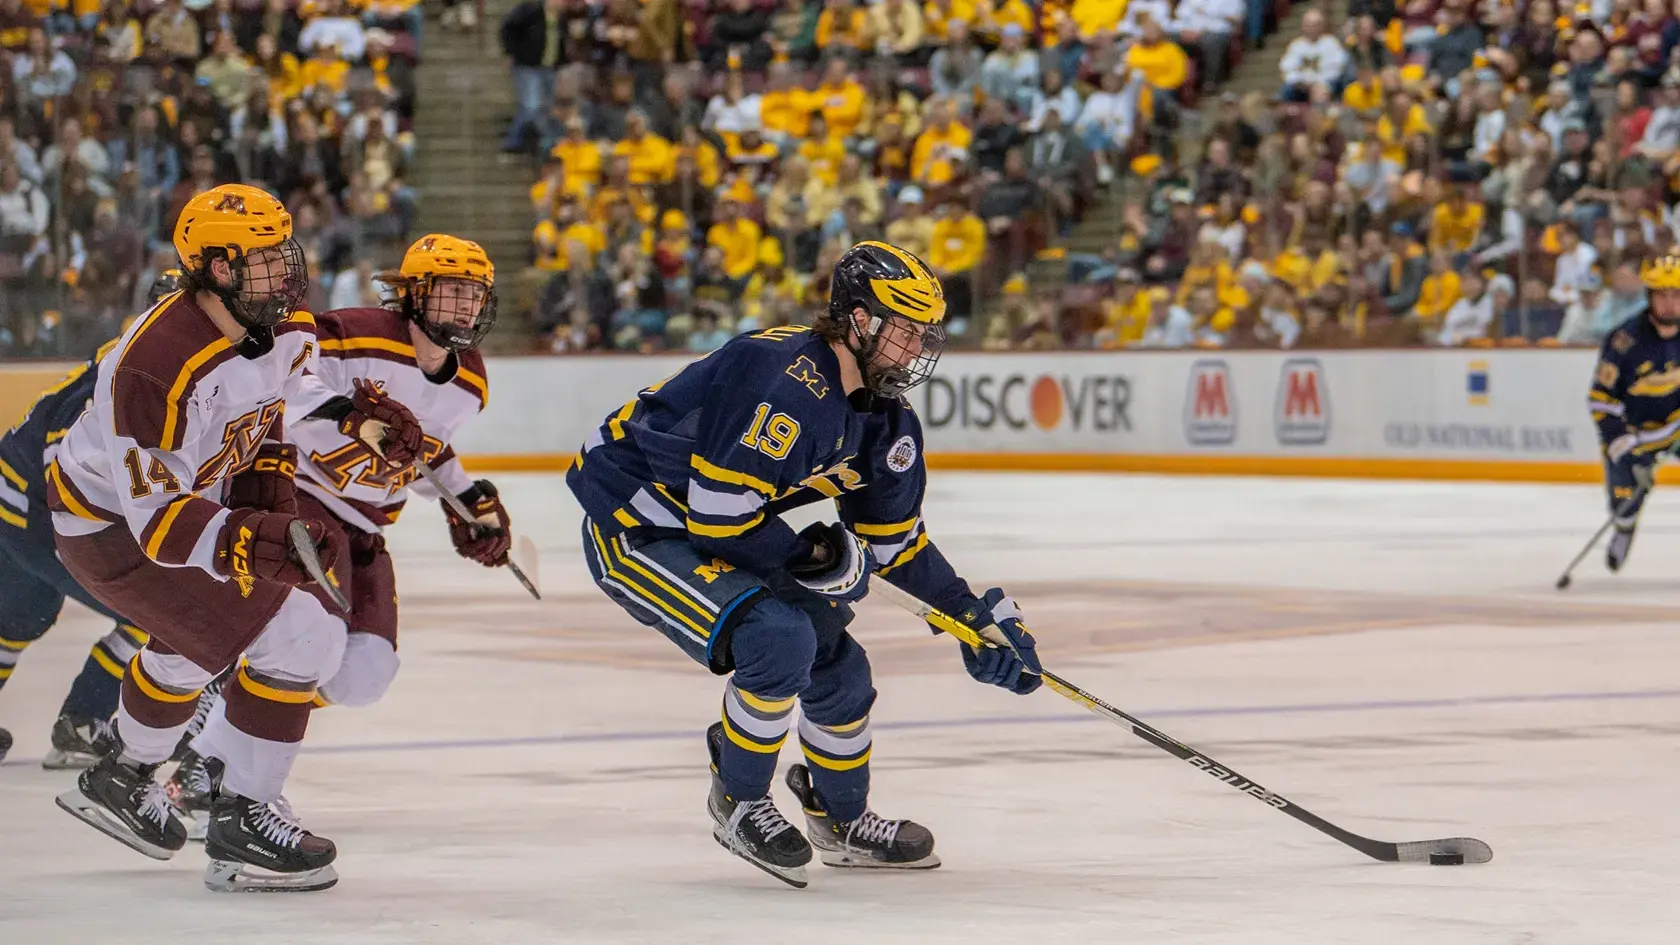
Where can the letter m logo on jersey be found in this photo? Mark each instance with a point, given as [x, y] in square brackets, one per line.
[1210, 406]
[1302, 414]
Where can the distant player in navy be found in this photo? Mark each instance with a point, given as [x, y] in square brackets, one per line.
[34, 584]
[683, 489]
[1635, 400]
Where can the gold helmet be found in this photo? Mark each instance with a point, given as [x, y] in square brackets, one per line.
[438, 275]
[899, 291]
[250, 229]
[1661, 273]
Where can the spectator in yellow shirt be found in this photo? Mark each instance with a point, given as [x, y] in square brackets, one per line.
[785, 108]
[1365, 93]
[958, 244]
[738, 238]
[561, 240]
[1126, 316]
[840, 98]
[772, 286]
[944, 138]
[652, 159]
[822, 199]
[991, 16]
[1456, 224]
[897, 25]
[1097, 16]
[938, 15]
[1160, 60]
[1439, 292]
[748, 150]
[706, 159]
[823, 151]
[579, 157]
[843, 28]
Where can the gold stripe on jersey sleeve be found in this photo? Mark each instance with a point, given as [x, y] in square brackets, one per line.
[178, 392]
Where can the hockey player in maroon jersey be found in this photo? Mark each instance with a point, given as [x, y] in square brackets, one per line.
[160, 495]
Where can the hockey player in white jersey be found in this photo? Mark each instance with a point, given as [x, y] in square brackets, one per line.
[156, 494]
[420, 350]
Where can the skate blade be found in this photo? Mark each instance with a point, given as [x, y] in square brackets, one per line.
[88, 812]
[840, 859]
[794, 876]
[233, 876]
[61, 760]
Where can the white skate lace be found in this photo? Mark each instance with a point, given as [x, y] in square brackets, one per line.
[154, 802]
[100, 731]
[872, 829]
[762, 814]
[201, 712]
[198, 778]
[275, 825]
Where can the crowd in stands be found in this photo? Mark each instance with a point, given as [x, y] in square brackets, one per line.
[703, 162]
[1428, 172]
[114, 113]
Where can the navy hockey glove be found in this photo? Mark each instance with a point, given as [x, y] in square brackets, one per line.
[1016, 670]
[839, 564]
[1641, 469]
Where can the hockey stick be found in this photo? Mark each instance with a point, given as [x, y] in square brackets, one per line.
[1621, 510]
[460, 508]
[1446, 852]
[304, 547]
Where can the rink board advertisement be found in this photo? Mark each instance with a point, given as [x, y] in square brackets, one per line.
[1397, 413]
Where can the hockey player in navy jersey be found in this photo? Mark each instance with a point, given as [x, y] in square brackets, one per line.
[683, 489]
[1635, 400]
[34, 584]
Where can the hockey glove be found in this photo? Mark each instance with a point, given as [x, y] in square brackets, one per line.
[839, 564]
[486, 539]
[267, 486]
[1016, 670]
[1641, 469]
[400, 438]
[256, 544]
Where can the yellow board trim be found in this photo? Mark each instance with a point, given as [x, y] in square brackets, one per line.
[151, 691]
[1194, 464]
[287, 696]
[833, 764]
[749, 744]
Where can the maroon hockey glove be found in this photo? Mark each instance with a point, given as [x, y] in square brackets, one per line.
[255, 544]
[267, 486]
[486, 540]
[402, 438]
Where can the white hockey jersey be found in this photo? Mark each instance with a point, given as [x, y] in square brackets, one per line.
[373, 345]
[176, 411]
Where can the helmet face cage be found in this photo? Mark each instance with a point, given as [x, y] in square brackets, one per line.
[896, 353]
[268, 283]
[453, 312]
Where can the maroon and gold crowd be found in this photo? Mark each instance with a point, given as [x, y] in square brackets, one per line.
[114, 113]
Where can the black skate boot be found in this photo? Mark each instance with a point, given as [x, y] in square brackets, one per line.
[755, 830]
[78, 743]
[257, 847]
[123, 801]
[5, 743]
[1621, 542]
[868, 841]
[192, 789]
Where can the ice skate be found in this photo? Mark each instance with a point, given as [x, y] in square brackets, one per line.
[5, 743]
[124, 802]
[192, 789]
[867, 842]
[755, 830]
[1621, 542]
[258, 847]
[78, 743]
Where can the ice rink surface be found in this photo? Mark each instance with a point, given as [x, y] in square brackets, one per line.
[1390, 655]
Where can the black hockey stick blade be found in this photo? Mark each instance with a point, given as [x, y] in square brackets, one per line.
[1420, 851]
[304, 547]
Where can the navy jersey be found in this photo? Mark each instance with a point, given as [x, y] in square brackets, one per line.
[22, 470]
[753, 429]
[1636, 387]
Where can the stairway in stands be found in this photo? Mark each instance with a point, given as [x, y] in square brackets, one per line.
[466, 187]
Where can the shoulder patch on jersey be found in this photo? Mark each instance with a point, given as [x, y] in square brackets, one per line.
[1620, 342]
[1607, 374]
[902, 455]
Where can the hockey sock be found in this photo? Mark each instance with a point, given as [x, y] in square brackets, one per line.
[839, 756]
[159, 694]
[256, 731]
[97, 688]
[754, 729]
[10, 650]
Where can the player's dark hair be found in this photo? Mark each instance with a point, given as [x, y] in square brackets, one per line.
[828, 328]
